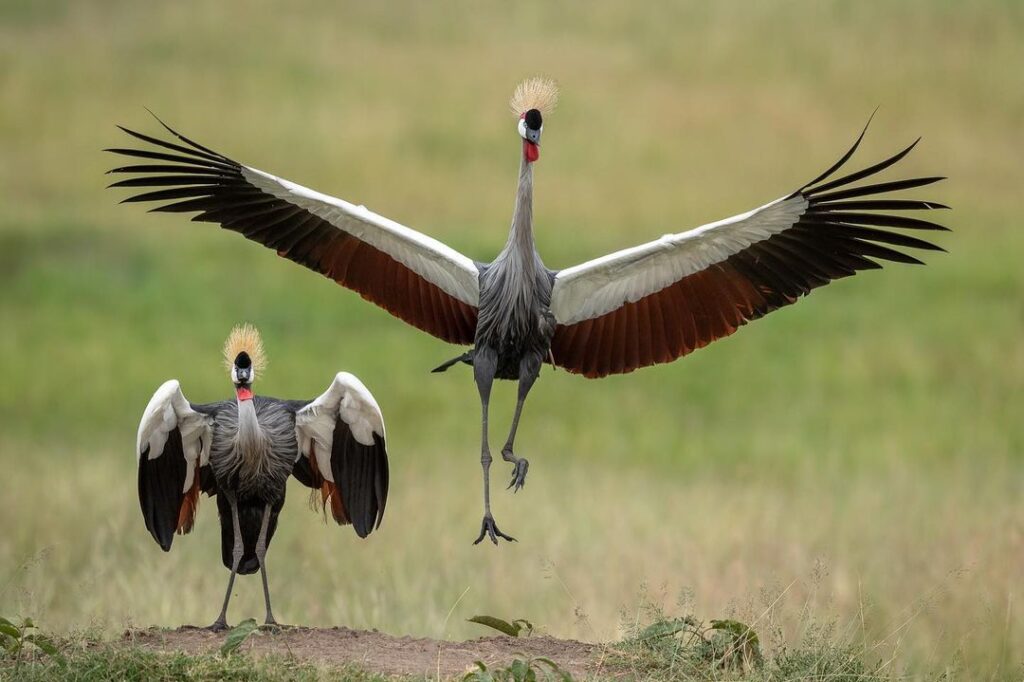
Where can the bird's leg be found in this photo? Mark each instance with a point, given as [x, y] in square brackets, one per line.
[236, 558]
[529, 368]
[261, 553]
[485, 365]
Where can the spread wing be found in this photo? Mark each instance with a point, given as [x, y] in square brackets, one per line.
[342, 452]
[414, 277]
[661, 300]
[172, 447]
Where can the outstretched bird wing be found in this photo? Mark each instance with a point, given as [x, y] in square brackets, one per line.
[172, 447]
[661, 300]
[414, 277]
[342, 452]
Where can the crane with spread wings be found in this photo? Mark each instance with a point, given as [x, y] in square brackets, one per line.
[641, 306]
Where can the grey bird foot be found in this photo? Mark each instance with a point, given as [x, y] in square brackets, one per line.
[489, 528]
[522, 465]
[218, 625]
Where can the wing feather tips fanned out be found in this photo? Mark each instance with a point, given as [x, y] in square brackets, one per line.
[314, 230]
[723, 275]
[341, 434]
[172, 445]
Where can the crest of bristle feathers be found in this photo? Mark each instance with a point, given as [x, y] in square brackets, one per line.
[245, 337]
[534, 93]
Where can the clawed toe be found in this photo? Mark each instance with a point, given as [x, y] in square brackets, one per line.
[522, 465]
[489, 529]
[218, 626]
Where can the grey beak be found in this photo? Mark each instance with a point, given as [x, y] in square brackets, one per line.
[533, 136]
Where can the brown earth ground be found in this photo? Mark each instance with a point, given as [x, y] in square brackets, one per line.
[380, 653]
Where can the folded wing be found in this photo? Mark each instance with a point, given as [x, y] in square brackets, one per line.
[416, 278]
[661, 300]
[342, 452]
[172, 447]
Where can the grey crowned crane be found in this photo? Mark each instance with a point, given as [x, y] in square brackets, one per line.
[637, 307]
[243, 450]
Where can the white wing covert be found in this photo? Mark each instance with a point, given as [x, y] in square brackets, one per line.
[343, 453]
[661, 300]
[414, 277]
[172, 445]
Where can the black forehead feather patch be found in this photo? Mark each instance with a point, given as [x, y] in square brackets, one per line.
[533, 119]
[243, 361]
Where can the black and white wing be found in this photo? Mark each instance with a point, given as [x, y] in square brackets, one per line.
[414, 277]
[342, 452]
[173, 446]
[661, 300]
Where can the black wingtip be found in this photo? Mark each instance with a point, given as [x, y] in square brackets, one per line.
[846, 157]
[160, 120]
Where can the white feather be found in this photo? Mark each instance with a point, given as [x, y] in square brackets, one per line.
[346, 399]
[167, 410]
[604, 284]
[439, 264]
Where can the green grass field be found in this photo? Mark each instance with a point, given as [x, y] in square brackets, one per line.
[855, 459]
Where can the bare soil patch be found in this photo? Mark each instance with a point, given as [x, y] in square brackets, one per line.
[377, 652]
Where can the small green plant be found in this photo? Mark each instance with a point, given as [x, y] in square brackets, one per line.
[727, 644]
[689, 649]
[515, 628]
[238, 634]
[15, 638]
[734, 644]
[520, 670]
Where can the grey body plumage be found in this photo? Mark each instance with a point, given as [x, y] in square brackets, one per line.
[514, 320]
[255, 455]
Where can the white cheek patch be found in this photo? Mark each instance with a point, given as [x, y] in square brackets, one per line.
[522, 128]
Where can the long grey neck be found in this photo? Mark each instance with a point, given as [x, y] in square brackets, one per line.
[249, 431]
[520, 237]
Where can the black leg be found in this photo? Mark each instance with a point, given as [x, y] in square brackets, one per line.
[261, 554]
[485, 363]
[529, 369]
[236, 557]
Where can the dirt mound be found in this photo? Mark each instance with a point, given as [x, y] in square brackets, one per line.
[381, 653]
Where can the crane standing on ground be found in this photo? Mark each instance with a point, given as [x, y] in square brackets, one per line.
[243, 451]
[637, 307]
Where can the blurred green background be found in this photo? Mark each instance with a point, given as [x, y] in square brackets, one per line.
[854, 460]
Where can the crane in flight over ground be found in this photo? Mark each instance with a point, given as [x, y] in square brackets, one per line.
[243, 450]
[641, 306]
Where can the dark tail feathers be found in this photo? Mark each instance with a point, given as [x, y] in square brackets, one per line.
[466, 357]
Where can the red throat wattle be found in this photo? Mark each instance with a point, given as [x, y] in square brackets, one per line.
[244, 393]
[530, 151]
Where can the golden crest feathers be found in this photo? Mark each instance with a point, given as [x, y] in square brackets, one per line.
[245, 337]
[534, 93]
